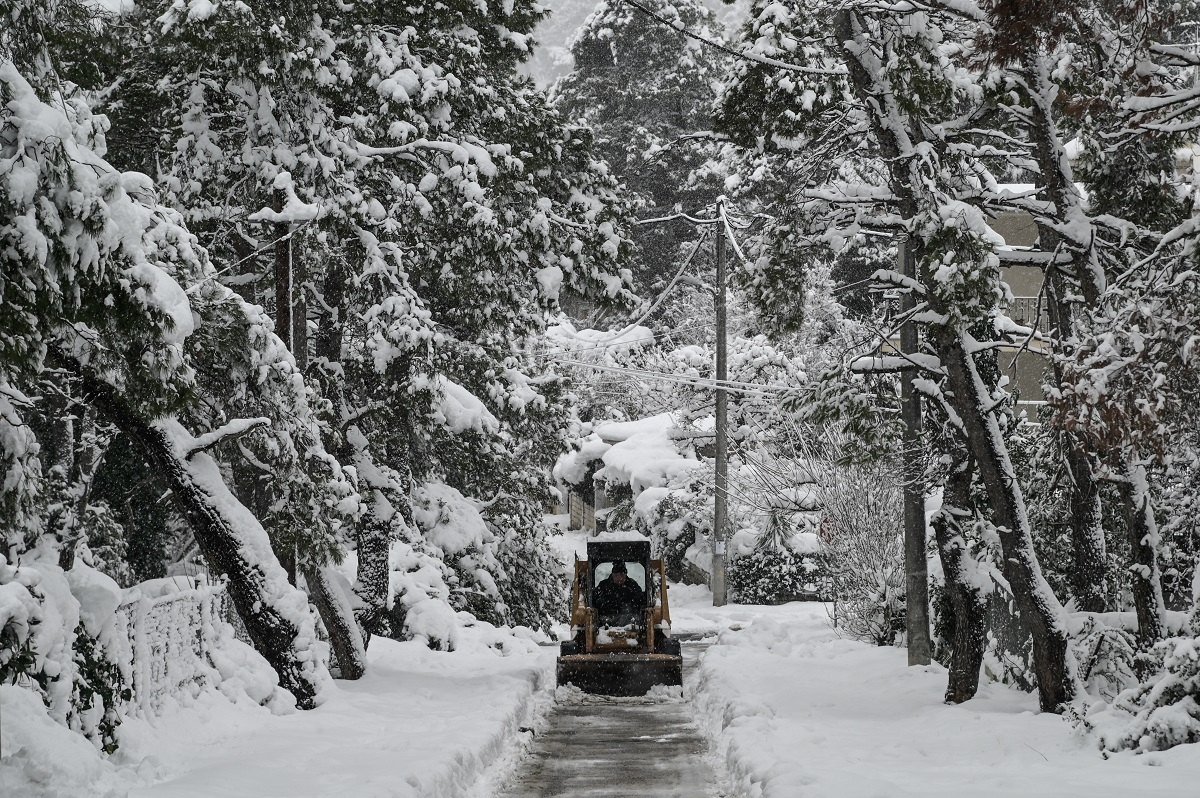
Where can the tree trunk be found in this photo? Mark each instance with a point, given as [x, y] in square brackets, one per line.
[245, 282]
[916, 565]
[898, 134]
[344, 634]
[373, 583]
[960, 568]
[83, 471]
[1143, 544]
[1089, 574]
[1039, 607]
[1056, 186]
[256, 595]
[299, 314]
[283, 276]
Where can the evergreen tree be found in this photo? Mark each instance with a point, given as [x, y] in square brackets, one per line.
[646, 91]
[439, 205]
[854, 135]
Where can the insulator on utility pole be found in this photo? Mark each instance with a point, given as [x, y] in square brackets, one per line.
[722, 397]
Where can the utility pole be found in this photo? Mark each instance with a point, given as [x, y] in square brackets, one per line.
[719, 504]
[916, 569]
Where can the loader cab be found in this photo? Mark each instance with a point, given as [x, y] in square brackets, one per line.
[635, 555]
[626, 650]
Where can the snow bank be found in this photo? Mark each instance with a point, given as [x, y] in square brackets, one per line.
[419, 724]
[795, 710]
[43, 759]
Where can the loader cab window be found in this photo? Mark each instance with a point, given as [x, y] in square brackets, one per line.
[636, 572]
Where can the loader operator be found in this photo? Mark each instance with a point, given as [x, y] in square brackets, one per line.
[618, 597]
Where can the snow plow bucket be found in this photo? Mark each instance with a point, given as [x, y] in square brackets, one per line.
[619, 674]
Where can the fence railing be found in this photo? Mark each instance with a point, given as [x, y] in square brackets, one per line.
[169, 639]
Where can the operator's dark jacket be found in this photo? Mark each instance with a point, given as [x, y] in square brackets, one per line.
[611, 598]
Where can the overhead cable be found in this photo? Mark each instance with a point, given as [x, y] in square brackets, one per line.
[757, 59]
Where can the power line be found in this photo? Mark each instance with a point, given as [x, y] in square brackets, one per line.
[757, 59]
[746, 388]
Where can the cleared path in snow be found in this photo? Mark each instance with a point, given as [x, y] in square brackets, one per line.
[597, 747]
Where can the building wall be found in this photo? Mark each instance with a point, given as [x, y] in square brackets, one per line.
[1025, 367]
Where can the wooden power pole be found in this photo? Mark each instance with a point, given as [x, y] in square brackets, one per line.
[916, 569]
[722, 400]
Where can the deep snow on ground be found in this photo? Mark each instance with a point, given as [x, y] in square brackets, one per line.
[798, 711]
[420, 723]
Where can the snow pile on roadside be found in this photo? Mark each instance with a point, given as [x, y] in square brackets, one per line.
[40, 758]
[795, 710]
[420, 724]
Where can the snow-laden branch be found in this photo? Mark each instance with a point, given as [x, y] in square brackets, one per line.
[234, 429]
[891, 364]
[890, 277]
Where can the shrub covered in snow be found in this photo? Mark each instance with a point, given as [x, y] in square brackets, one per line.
[675, 519]
[771, 574]
[57, 638]
[471, 563]
[1160, 713]
[863, 549]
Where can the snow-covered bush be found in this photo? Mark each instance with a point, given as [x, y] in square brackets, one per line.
[20, 613]
[863, 548]
[1162, 712]
[468, 563]
[675, 520]
[771, 574]
[57, 639]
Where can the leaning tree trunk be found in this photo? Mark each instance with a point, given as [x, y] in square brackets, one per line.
[898, 134]
[1039, 607]
[962, 586]
[345, 637]
[275, 614]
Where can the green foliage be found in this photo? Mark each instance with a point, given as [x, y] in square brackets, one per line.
[640, 87]
[98, 694]
[775, 574]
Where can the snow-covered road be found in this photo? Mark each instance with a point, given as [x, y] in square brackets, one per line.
[777, 706]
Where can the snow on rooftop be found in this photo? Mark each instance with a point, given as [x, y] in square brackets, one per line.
[617, 431]
[646, 458]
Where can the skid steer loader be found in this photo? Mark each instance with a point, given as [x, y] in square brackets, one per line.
[623, 648]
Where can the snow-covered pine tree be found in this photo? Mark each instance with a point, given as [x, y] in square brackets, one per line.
[866, 127]
[646, 91]
[93, 277]
[439, 204]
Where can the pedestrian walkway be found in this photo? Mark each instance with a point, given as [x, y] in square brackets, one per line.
[598, 747]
